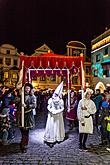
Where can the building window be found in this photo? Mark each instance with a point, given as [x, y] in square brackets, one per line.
[34, 78]
[95, 73]
[105, 73]
[15, 62]
[5, 75]
[75, 80]
[88, 80]
[106, 51]
[97, 57]
[1, 60]
[7, 51]
[53, 78]
[63, 78]
[76, 53]
[88, 70]
[14, 75]
[42, 78]
[8, 61]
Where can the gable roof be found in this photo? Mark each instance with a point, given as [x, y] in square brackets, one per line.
[43, 49]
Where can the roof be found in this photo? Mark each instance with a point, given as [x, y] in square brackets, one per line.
[76, 44]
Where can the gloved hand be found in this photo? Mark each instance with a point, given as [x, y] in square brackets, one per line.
[54, 112]
[24, 105]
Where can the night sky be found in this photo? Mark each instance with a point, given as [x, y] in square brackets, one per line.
[28, 24]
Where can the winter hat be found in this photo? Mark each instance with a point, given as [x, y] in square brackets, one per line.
[105, 104]
[88, 90]
[5, 111]
[9, 91]
[29, 85]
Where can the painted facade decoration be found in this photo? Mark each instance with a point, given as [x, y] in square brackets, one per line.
[100, 59]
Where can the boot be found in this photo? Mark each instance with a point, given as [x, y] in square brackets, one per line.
[84, 147]
[80, 146]
[23, 148]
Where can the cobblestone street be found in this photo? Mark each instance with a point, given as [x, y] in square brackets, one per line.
[65, 153]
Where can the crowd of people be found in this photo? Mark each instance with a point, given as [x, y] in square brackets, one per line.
[85, 113]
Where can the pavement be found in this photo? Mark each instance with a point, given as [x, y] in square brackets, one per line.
[65, 153]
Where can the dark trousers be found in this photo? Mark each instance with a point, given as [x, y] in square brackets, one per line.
[83, 139]
[108, 139]
[96, 118]
[25, 138]
[104, 135]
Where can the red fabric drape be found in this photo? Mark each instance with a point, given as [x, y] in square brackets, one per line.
[52, 61]
[62, 61]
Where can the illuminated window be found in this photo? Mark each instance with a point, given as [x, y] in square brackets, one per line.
[15, 75]
[5, 74]
[8, 61]
[42, 78]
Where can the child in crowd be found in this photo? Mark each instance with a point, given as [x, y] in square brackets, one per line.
[4, 126]
[107, 119]
[12, 118]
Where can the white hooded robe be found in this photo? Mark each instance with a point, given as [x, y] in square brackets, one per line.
[55, 125]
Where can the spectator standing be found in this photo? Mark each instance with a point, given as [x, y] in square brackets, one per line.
[34, 97]
[8, 103]
[4, 126]
[86, 108]
[72, 114]
[102, 125]
[97, 100]
[107, 119]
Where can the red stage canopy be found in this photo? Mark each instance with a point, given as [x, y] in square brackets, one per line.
[52, 61]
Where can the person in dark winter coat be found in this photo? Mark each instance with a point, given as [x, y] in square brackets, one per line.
[8, 103]
[4, 126]
[97, 100]
[29, 122]
[101, 122]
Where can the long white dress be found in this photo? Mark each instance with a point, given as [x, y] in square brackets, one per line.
[55, 125]
[83, 114]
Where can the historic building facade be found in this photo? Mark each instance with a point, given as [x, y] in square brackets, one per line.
[10, 61]
[100, 59]
[75, 49]
[9, 65]
[42, 50]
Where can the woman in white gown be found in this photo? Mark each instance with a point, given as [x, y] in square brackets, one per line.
[55, 131]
